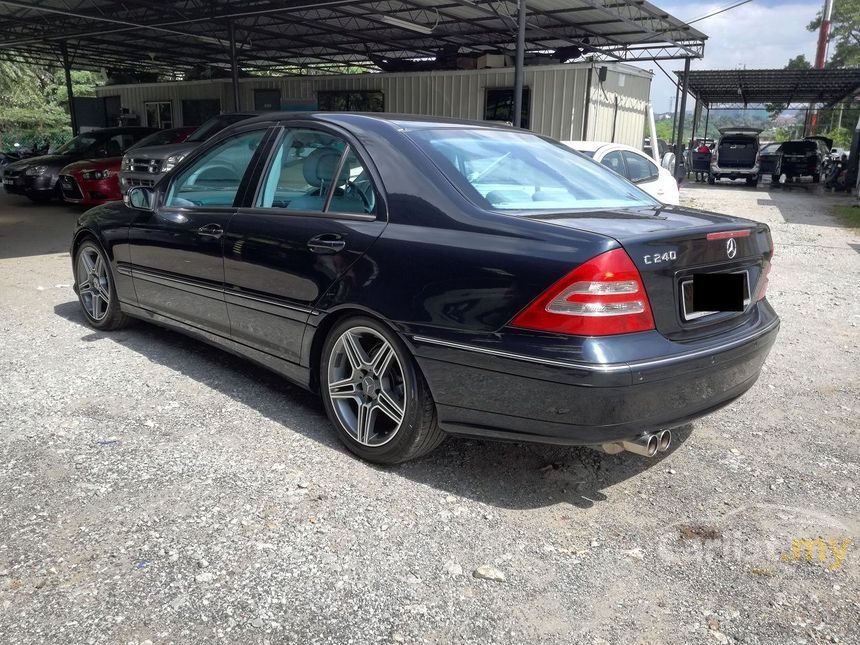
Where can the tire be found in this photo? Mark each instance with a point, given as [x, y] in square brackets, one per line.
[96, 288]
[774, 179]
[712, 180]
[816, 178]
[347, 384]
[752, 181]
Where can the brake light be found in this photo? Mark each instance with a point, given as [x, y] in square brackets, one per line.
[603, 296]
[724, 235]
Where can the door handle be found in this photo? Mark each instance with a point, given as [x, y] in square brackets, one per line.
[326, 244]
[211, 230]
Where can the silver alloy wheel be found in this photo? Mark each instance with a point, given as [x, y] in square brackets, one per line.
[93, 280]
[366, 386]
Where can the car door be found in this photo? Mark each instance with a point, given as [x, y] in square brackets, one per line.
[315, 211]
[176, 249]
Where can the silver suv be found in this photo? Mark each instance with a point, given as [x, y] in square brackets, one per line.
[145, 166]
[736, 155]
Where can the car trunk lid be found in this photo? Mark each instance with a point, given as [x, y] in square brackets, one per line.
[669, 246]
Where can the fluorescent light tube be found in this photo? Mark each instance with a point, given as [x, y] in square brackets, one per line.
[405, 24]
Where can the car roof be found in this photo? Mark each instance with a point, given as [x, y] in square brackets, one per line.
[594, 146]
[396, 121]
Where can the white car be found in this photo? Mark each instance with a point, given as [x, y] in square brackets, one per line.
[633, 164]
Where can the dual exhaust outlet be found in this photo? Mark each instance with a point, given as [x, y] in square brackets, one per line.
[647, 445]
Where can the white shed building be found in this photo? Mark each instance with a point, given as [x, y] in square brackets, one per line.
[591, 101]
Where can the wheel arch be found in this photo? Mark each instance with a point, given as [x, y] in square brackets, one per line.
[316, 339]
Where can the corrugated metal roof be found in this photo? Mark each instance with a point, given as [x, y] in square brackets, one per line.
[754, 87]
[173, 36]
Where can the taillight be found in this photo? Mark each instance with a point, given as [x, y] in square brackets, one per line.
[603, 296]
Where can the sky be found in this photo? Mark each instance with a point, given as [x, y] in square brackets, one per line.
[760, 34]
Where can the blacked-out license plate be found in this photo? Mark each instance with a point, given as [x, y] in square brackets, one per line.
[712, 293]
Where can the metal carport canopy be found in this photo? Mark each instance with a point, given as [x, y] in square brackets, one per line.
[733, 88]
[171, 37]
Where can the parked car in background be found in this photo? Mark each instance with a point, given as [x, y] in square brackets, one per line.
[95, 181]
[805, 158]
[736, 155]
[770, 160]
[634, 165]
[146, 165]
[430, 276]
[664, 152]
[39, 177]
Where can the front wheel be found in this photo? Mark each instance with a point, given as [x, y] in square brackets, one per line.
[375, 394]
[96, 290]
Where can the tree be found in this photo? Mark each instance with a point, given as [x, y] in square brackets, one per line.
[798, 62]
[844, 33]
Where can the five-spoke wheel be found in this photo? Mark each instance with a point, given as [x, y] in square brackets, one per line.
[93, 282]
[96, 292]
[375, 393]
[366, 386]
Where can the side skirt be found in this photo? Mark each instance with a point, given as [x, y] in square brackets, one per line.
[290, 371]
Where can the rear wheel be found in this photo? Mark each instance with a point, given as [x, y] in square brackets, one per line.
[375, 394]
[96, 290]
[712, 180]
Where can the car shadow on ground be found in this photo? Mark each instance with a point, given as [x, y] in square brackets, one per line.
[503, 475]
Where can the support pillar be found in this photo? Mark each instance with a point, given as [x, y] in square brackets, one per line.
[518, 65]
[67, 68]
[234, 68]
[679, 167]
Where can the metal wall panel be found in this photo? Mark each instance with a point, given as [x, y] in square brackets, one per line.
[618, 104]
[558, 95]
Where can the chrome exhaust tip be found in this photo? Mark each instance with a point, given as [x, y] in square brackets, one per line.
[664, 440]
[647, 445]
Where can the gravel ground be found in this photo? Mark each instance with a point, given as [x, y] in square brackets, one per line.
[154, 490]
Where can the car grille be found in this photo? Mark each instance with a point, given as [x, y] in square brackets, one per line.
[131, 181]
[70, 187]
[146, 165]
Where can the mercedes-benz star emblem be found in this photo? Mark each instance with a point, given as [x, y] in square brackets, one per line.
[731, 248]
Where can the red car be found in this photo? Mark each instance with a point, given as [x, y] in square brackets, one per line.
[95, 181]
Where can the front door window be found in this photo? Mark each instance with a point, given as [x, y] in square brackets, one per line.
[214, 178]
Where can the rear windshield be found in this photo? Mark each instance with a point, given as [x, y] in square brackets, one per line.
[214, 125]
[515, 171]
[160, 138]
[799, 147]
[770, 148]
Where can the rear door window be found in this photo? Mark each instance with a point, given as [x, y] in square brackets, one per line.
[316, 171]
[639, 168]
[615, 161]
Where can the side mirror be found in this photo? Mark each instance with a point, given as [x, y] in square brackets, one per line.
[140, 197]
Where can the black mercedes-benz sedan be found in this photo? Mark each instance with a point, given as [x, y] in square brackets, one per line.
[431, 277]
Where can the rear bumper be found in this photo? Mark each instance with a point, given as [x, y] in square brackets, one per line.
[483, 390]
[734, 172]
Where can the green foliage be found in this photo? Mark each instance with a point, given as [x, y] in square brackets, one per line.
[33, 102]
[844, 33]
[841, 137]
